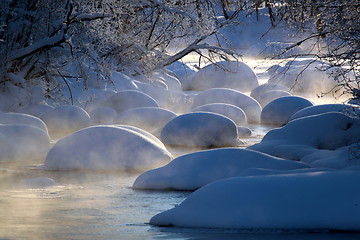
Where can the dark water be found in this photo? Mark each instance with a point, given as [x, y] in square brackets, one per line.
[102, 205]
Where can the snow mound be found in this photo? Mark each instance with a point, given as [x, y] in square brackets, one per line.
[244, 131]
[150, 119]
[121, 82]
[125, 100]
[269, 96]
[63, 120]
[160, 94]
[22, 143]
[183, 72]
[347, 157]
[351, 110]
[39, 182]
[309, 201]
[279, 111]
[224, 95]
[303, 136]
[228, 110]
[260, 90]
[21, 118]
[194, 170]
[106, 148]
[171, 82]
[102, 115]
[37, 110]
[200, 129]
[230, 74]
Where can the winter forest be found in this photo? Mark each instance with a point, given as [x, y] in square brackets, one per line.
[182, 119]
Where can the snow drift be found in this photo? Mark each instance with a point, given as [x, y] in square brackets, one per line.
[309, 201]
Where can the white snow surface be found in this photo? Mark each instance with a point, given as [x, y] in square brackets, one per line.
[200, 129]
[66, 119]
[304, 136]
[225, 95]
[150, 119]
[21, 118]
[19, 142]
[228, 110]
[172, 83]
[261, 89]
[227, 74]
[351, 110]
[121, 82]
[194, 170]
[279, 111]
[269, 96]
[302, 202]
[37, 110]
[107, 148]
[183, 72]
[128, 99]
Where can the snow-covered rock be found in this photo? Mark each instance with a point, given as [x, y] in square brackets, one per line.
[200, 129]
[227, 74]
[194, 170]
[160, 94]
[107, 148]
[261, 89]
[304, 136]
[151, 119]
[228, 110]
[121, 82]
[63, 120]
[183, 72]
[102, 115]
[37, 110]
[224, 95]
[38, 182]
[269, 96]
[20, 142]
[300, 202]
[172, 82]
[125, 100]
[21, 118]
[279, 111]
[347, 157]
[351, 110]
[244, 131]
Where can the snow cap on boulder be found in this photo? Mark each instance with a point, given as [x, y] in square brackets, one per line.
[19, 142]
[200, 129]
[194, 170]
[249, 105]
[63, 120]
[107, 148]
[279, 111]
[151, 119]
[227, 74]
[228, 110]
[21, 118]
[296, 202]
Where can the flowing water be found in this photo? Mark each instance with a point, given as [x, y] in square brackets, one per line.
[101, 205]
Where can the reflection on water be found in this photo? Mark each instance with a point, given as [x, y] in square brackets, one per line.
[101, 205]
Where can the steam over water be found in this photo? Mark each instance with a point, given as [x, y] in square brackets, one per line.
[102, 205]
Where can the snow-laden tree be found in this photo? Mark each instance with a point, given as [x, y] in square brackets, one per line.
[333, 27]
[49, 42]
